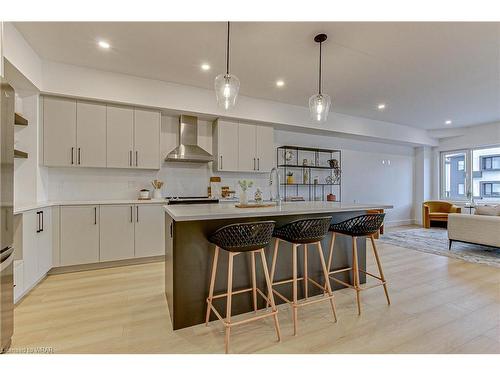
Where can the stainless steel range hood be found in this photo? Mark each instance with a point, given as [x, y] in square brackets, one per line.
[188, 149]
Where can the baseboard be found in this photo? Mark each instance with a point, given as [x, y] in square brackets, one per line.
[396, 223]
[101, 265]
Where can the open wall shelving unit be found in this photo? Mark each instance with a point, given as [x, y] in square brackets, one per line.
[315, 172]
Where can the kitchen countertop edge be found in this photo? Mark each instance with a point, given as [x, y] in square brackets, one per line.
[34, 206]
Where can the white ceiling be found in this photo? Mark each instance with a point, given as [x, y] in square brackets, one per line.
[424, 72]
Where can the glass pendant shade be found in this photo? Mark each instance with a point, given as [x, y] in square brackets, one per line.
[319, 106]
[226, 90]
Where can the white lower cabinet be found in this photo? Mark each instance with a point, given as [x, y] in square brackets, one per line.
[36, 246]
[149, 230]
[79, 235]
[116, 232]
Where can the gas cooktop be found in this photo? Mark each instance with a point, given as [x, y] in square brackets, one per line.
[191, 200]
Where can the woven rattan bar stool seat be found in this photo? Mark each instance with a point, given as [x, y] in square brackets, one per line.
[243, 236]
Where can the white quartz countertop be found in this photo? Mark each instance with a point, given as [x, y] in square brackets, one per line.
[33, 206]
[193, 212]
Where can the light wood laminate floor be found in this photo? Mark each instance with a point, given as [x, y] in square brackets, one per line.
[439, 305]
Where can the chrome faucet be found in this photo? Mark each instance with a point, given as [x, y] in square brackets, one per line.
[276, 199]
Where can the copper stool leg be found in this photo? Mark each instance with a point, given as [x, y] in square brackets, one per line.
[306, 276]
[327, 280]
[355, 271]
[379, 265]
[212, 283]
[330, 256]
[270, 291]
[273, 264]
[229, 298]
[294, 282]
[254, 283]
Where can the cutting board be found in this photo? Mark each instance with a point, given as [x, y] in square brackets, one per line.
[254, 205]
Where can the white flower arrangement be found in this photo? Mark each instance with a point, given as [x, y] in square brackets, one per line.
[245, 184]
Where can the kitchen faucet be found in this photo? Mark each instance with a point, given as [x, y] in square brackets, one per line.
[275, 171]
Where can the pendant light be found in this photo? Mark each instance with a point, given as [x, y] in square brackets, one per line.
[319, 104]
[227, 85]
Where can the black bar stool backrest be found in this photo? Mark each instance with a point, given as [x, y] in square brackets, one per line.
[243, 236]
[363, 225]
[304, 230]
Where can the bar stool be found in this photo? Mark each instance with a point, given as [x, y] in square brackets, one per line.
[303, 232]
[237, 239]
[366, 225]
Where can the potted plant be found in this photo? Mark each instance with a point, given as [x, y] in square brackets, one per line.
[244, 186]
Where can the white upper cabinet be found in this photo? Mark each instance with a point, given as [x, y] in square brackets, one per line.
[120, 136]
[247, 160]
[91, 134]
[243, 147]
[146, 139]
[59, 132]
[264, 148]
[225, 141]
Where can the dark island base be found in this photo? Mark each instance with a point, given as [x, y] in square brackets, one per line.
[189, 259]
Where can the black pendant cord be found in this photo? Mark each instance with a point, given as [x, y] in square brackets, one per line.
[319, 84]
[227, 50]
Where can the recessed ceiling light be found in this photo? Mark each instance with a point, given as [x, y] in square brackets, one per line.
[448, 122]
[103, 44]
[280, 83]
[381, 106]
[205, 67]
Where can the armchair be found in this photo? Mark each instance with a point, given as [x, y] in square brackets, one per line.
[437, 211]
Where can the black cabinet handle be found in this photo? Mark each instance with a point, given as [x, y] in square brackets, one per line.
[42, 228]
[136, 158]
[171, 230]
[130, 157]
[258, 164]
[78, 155]
[221, 162]
[137, 213]
[38, 230]
[95, 215]
[131, 214]
[72, 155]
[254, 164]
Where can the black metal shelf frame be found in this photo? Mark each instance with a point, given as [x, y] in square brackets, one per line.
[313, 188]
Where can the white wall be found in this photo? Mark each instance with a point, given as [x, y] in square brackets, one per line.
[70, 80]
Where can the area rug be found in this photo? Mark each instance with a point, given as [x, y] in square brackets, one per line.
[435, 241]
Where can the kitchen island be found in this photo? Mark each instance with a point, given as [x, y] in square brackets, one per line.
[188, 254]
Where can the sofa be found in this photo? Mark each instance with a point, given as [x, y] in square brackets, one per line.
[476, 229]
[437, 211]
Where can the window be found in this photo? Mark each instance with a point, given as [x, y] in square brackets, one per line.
[471, 173]
[490, 163]
[490, 189]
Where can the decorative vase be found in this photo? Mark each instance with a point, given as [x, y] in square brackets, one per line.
[243, 197]
[157, 194]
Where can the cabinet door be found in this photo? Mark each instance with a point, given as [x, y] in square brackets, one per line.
[91, 134]
[149, 230]
[30, 256]
[146, 139]
[44, 242]
[264, 146]
[116, 232]
[59, 132]
[79, 235]
[119, 136]
[247, 160]
[227, 146]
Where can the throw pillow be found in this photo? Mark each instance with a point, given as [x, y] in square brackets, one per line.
[487, 210]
